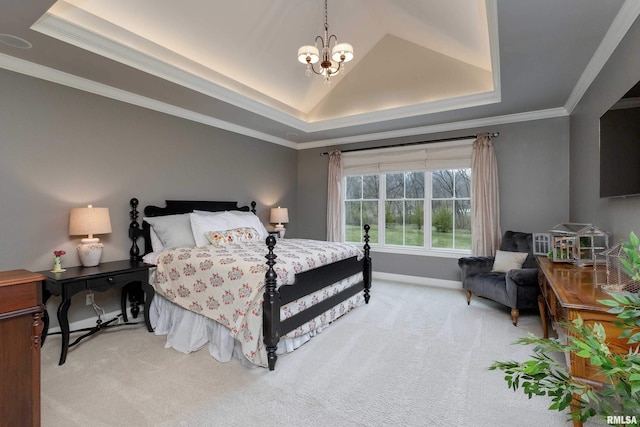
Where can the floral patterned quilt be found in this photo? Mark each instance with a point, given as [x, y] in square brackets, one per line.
[226, 283]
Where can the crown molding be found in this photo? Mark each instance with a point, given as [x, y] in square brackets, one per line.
[172, 67]
[627, 15]
[156, 60]
[466, 101]
[45, 73]
[443, 127]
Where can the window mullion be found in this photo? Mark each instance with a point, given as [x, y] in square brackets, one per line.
[382, 220]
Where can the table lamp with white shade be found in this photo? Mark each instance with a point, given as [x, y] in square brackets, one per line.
[89, 221]
[279, 216]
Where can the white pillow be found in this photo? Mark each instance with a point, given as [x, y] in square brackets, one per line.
[505, 261]
[201, 224]
[239, 219]
[207, 213]
[156, 243]
[172, 230]
[152, 257]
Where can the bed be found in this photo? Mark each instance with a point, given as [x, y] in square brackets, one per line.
[301, 288]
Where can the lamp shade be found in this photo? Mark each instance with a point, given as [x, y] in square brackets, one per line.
[279, 215]
[310, 52]
[340, 50]
[89, 221]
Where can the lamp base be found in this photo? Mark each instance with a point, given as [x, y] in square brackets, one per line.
[90, 252]
[280, 230]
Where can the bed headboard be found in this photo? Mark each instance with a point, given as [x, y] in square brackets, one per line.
[172, 207]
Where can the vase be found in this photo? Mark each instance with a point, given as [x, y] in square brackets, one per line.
[56, 264]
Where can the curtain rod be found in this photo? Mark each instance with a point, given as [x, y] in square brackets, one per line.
[457, 138]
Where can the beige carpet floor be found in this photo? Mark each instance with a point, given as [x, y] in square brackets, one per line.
[415, 356]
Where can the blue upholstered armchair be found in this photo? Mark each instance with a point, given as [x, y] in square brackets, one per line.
[516, 288]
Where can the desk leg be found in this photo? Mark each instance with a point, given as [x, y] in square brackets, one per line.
[45, 317]
[576, 398]
[149, 293]
[45, 328]
[543, 316]
[63, 311]
[123, 303]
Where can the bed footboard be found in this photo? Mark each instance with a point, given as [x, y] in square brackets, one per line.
[305, 284]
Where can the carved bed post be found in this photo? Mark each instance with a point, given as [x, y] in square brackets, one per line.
[134, 231]
[271, 307]
[367, 264]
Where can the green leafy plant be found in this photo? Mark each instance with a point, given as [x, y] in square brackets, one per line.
[545, 376]
[631, 248]
[619, 395]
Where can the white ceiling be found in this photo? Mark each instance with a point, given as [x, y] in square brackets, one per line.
[420, 66]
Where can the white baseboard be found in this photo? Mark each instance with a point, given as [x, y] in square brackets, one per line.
[91, 321]
[418, 280]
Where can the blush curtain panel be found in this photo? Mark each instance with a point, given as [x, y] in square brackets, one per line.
[334, 198]
[485, 201]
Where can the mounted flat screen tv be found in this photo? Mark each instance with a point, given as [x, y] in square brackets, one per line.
[620, 147]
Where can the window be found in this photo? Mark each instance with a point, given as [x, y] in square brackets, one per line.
[451, 209]
[413, 200]
[400, 212]
[361, 207]
[404, 209]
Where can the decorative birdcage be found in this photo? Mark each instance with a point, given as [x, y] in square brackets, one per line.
[590, 241]
[564, 237]
[563, 248]
[600, 271]
[617, 279]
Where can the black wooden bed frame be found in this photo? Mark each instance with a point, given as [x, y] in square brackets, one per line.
[305, 283]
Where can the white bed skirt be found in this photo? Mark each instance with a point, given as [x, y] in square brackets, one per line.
[187, 331]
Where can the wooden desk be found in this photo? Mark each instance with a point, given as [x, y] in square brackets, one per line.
[568, 291]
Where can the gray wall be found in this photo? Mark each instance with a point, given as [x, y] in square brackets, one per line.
[62, 148]
[619, 216]
[533, 168]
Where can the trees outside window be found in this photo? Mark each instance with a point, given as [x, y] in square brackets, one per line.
[394, 205]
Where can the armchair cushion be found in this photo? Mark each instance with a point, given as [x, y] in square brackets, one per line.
[505, 261]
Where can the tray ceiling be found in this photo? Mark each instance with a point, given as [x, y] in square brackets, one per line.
[233, 64]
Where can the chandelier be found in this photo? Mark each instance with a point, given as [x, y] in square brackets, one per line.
[331, 59]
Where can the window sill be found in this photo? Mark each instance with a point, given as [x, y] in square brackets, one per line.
[420, 252]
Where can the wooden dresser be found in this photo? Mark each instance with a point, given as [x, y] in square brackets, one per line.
[21, 325]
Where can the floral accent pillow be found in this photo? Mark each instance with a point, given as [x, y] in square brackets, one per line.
[241, 234]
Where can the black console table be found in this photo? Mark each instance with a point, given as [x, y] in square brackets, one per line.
[130, 276]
